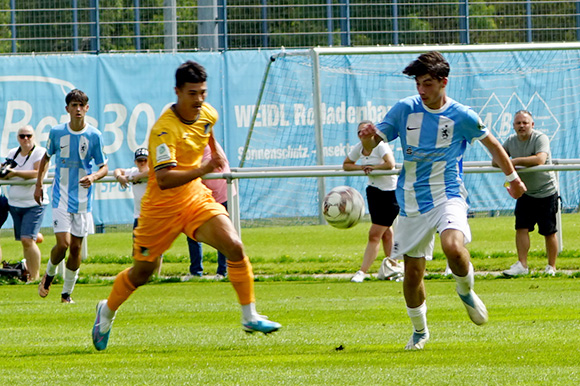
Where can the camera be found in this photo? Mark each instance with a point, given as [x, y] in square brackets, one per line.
[8, 164]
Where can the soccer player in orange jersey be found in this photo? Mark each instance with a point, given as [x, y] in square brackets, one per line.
[177, 202]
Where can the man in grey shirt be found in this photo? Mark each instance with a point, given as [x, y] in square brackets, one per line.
[539, 204]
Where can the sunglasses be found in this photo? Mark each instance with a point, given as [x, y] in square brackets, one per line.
[22, 136]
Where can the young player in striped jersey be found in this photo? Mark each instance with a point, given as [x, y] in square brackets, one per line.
[177, 202]
[434, 131]
[77, 148]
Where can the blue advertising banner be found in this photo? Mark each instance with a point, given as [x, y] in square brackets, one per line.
[128, 92]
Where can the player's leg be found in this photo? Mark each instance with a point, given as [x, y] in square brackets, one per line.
[151, 238]
[219, 232]
[414, 239]
[62, 222]
[415, 296]
[80, 224]
[455, 233]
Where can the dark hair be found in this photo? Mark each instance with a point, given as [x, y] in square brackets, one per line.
[190, 72]
[76, 95]
[432, 63]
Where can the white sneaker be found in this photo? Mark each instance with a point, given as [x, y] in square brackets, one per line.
[550, 270]
[475, 308]
[387, 271]
[417, 341]
[358, 277]
[516, 269]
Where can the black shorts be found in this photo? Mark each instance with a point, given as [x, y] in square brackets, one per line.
[383, 206]
[542, 211]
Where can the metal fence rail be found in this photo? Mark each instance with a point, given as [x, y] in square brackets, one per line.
[93, 26]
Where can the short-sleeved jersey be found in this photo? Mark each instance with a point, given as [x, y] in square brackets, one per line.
[173, 143]
[74, 153]
[538, 184]
[376, 157]
[433, 143]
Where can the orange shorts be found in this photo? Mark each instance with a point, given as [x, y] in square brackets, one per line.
[154, 235]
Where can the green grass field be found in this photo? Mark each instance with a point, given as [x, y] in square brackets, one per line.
[334, 331]
[311, 250]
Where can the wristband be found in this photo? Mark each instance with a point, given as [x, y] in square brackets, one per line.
[512, 176]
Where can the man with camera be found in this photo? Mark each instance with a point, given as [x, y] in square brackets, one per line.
[22, 164]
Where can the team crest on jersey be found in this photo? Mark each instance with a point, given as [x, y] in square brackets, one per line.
[162, 153]
[83, 147]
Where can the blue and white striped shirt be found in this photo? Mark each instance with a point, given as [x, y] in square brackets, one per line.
[433, 143]
[73, 152]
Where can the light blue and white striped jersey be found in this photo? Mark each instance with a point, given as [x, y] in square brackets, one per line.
[73, 152]
[433, 143]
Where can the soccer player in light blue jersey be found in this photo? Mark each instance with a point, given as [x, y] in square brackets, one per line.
[77, 150]
[434, 131]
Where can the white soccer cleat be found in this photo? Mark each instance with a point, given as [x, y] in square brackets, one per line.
[516, 269]
[475, 307]
[358, 277]
[417, 341]
[550, 270]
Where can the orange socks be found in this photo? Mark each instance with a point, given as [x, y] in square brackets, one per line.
[122, 289]
[242, 278]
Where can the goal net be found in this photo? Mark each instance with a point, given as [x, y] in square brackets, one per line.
[312, 101]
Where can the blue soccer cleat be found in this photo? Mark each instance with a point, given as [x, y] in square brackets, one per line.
[101, 339]
[261, 325]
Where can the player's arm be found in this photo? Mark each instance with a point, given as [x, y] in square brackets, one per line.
[42, 169]
[217, 154]
[501, 158]
[369, 134]
[88, 180]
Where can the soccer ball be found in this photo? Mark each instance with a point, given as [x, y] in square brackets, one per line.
[343, 207]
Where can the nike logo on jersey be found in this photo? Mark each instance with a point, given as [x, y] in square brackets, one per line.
[160, 134]
[413, 128]
[63, 146]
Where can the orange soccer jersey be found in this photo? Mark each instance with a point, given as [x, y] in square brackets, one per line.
[166, 213]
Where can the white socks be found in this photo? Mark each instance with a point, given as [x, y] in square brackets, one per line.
[50, 268]
[465, 283]
[418, 317]
[70, 279]
[249, 312]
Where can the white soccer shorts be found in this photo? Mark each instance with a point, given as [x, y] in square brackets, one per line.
[77, 224]
[415, 236]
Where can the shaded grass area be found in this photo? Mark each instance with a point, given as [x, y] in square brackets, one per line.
[319, 249]
[334, 332]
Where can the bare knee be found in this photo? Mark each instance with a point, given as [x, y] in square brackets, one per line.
[234, 250]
